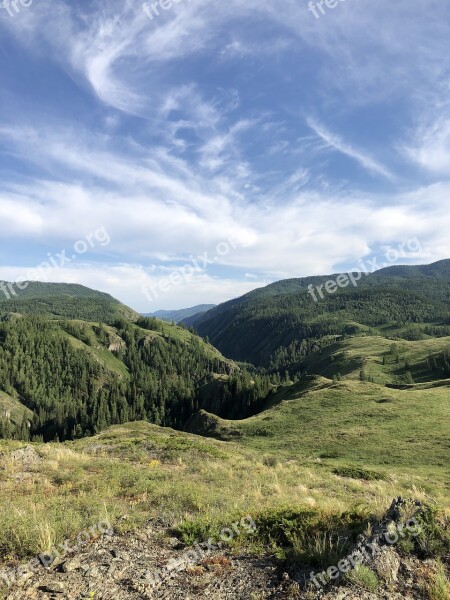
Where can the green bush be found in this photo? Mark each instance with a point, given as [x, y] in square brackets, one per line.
[357, 473]
[432, 538]
[191, 532]
[309, 536]
[364, 578]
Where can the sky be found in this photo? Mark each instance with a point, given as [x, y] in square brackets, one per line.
[193, 150]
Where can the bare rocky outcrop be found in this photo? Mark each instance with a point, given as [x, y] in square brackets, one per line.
[147, 565]
[25, 456]
[150, 564]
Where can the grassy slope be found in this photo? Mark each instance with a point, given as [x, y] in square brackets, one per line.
[350, 356]
[10, 405]
[106, 358]
[400, 433]
[284, 457]
[141, 470]
[183, 335]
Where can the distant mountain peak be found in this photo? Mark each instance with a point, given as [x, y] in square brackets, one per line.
[181, 314]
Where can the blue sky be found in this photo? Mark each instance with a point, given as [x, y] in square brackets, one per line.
[299, 145]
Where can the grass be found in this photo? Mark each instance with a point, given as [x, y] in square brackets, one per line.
[13, 407]
[438, 586]
[344, 424]
[363, 578]
[141, 470]
[368, 352]
[96, 349]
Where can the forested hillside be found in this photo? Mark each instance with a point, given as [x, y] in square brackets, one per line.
[66, 300]
[283, 318]
[77, 377]
[74, 361]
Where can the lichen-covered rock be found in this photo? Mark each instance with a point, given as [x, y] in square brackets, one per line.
[387, 564]
[25, 456]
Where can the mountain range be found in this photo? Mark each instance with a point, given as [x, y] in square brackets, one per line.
[265, 323]
[181, 315]
[306, 414]
[75, 360]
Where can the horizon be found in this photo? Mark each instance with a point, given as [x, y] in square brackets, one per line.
[221, 146]
[10, 291]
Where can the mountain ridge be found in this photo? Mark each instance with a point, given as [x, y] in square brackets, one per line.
[255, 326]
[180, 315]
[58, 300]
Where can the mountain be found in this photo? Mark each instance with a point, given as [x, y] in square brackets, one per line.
[182, 315]
[67, 300]
[359, 417]
[281, 323]
[69, 378]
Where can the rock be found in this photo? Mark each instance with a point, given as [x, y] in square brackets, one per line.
[27, 455]
[93, 572]
[71, 565]
[175, 543]
[53, 588]
[387, 564]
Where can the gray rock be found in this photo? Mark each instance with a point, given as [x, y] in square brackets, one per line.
[53, 588]
[27, 456]
[387, 564]
[71, 565]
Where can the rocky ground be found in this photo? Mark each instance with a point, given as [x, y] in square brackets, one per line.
[149, 564]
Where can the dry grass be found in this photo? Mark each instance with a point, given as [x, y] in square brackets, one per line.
[141, 471]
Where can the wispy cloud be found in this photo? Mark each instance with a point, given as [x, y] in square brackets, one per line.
[337, 143]
[430, 147]
[180, 132]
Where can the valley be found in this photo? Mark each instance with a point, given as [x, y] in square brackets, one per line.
[309, 418]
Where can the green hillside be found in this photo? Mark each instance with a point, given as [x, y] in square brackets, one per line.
[351, 424]
[281, 324]
[76, 377]
[382, 360]
[68, 300]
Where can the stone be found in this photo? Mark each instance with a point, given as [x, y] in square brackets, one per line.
[387, 564]
[27, 455]
[71, 565]
[53, 588]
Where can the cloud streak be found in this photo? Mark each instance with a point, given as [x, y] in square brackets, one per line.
[337, 143]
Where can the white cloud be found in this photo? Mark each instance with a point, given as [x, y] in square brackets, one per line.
[431, 147]
[181, 180]
[338, 144]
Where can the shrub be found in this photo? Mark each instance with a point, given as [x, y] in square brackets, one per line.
[364, 578]
[309, 536]
[432, 538]
[191, 532]
[357, 473]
